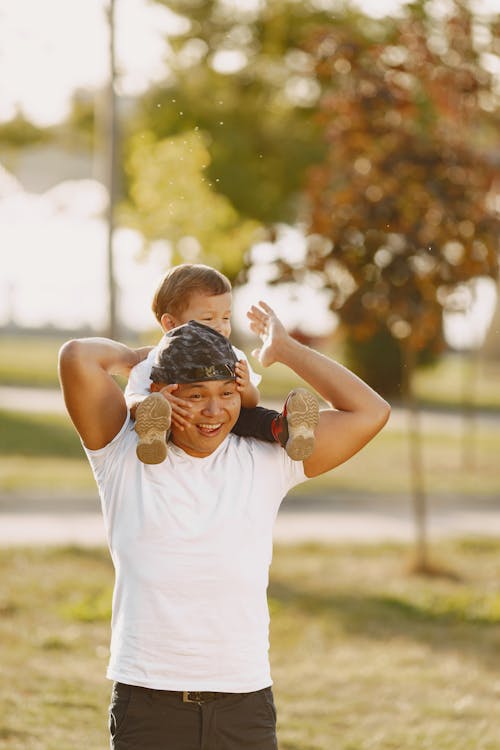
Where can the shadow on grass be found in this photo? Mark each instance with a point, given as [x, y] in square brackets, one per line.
[463, 621]
[37, 435]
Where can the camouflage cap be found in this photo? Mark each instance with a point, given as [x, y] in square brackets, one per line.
[192, 353]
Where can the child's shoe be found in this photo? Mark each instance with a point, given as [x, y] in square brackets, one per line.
[152, 420]
[294, 427]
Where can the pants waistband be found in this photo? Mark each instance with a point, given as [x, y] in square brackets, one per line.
[186, 696]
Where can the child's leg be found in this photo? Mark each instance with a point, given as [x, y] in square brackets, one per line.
[256, 423]
[293, 428]
[152, 420]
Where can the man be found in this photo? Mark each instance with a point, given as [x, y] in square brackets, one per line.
[191, 538]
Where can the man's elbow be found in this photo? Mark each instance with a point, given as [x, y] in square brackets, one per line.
[381, 414]
[70, 355]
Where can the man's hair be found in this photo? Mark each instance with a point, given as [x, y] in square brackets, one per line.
[180, 282]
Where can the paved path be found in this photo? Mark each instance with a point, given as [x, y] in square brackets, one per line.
[78, 520]
[42, 400]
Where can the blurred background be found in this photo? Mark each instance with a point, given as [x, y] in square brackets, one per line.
[339, 160]
[323, 146]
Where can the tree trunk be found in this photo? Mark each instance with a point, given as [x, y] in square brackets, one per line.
[470, 370]
[111, 160]
[491, 346]
[419, 500]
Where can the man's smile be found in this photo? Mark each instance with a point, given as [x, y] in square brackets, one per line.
[207, 428]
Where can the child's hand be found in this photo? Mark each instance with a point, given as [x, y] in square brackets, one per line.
[181, 409]
[248, 392]
[242, 375]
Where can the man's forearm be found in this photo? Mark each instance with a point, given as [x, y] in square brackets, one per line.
[111, 356]
[335, 383]
[358, 412]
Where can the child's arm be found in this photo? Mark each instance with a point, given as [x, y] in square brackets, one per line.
[249, 392]
[139, 382]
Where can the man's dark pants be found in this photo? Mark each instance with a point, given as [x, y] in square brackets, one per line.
[144, 719]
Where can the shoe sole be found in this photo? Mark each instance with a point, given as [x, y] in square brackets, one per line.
[152, 420]
[302, 415]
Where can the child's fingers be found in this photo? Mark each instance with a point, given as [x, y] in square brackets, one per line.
[180, 417]
[180, 409]
[177, 423]
[179, 405]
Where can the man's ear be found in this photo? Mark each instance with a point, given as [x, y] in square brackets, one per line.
[168, 322]
[155, 387]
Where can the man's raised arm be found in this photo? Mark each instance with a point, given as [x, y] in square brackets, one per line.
[357, 412]
[93, 399]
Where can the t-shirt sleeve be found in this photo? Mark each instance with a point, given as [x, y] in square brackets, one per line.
[275, 472]
[255, 378]
[102, 460]
[139, 380]
[293, 472]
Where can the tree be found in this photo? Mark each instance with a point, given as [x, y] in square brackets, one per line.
[244, 79]
[401, 200]
[172, 199]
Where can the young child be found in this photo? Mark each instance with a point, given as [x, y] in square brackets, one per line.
[198, 292]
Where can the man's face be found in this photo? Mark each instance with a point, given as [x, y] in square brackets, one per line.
[216, 406]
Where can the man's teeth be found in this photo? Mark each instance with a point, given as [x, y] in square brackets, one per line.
[210, 426]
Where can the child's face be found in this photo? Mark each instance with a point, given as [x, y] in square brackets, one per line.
[211, 310]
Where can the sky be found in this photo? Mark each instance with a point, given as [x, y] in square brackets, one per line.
[48, 50]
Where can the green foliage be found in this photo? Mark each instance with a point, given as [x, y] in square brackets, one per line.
[377, 361]
[82, 121]
[259, 116]
[170, 198]
[401, 199]
[19, 132]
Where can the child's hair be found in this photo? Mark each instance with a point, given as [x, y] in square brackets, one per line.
[175, 289]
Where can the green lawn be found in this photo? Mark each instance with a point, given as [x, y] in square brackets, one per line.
[29, 361]
[43, 452]
[32, 361]
[364, 657]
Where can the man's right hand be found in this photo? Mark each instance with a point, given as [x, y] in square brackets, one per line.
[268, 327]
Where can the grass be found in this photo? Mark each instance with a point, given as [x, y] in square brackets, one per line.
[382, 466]
[454, 376]
[364, 657]
[29, 361]
[32, 361]
[43, 452]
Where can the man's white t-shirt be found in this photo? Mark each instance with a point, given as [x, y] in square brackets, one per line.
[191, 542]
[139, 380]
